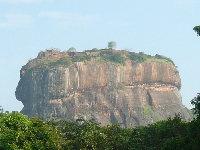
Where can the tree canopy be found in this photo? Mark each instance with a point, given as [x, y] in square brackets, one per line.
[17, 131]
[112, 45]
[197, 30]
[71, 49]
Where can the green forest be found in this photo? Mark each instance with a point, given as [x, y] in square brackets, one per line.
[18, 132]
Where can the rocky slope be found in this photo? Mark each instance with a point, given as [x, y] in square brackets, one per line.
[131, 94]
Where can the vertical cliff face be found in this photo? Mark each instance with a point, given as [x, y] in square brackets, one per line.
[132, 94]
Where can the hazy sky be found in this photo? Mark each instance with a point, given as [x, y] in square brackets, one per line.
[151, 26]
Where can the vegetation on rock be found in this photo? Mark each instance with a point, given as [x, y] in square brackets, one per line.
[81, 58]
[137, 58]
[115, 57]
[72, 49]
[197, 30]
[112, 45]
[164, 58]
[65, 61]
[120, 86]
[110, 56]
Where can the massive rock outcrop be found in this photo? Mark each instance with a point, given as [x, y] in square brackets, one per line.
[132, 94]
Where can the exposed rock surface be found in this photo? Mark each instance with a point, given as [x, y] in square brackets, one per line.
[132, 94]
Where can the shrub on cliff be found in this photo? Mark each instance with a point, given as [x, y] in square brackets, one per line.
[50, 63]
[164, 58]
[112, 45]
[71, 49]
[110, 56]
[81, 58]
[137, 57]
[65, 61]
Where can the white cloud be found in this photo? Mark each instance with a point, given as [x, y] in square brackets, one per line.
[186, 1]
[22, 1]
[16, 21]
[63, 20]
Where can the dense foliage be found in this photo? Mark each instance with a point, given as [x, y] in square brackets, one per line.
[112, 45]
[137, 57]
[17, 131]
[110, 56]
[81, 58]
[197, 30]
[165, 58]
[65, 61]
[71, 49]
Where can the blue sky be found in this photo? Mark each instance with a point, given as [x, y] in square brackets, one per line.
[153, 27]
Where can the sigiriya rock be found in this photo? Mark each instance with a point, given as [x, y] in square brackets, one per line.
[109, 86]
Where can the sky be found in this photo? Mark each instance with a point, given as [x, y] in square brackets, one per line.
[150, 26]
